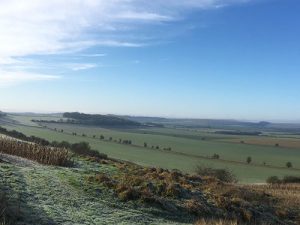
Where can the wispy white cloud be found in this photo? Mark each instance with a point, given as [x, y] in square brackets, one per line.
[93, 55]
[81, 66]
[11, 78]
[43, 27]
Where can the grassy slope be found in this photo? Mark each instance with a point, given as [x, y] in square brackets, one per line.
[53, 195]
[246, 173]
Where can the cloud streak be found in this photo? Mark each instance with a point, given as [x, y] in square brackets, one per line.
[44, 27]
[16, 77]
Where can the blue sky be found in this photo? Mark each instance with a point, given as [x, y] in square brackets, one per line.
[232, 59]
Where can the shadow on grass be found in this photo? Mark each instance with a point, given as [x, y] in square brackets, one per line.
[16, 209]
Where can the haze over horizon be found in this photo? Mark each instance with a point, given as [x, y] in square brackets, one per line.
[218, 59]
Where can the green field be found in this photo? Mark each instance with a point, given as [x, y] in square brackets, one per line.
[190, 148]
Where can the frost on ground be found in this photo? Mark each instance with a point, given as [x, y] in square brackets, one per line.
[18, 161]
[55, 195]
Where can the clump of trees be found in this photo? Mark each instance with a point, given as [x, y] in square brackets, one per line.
[127, 142]
[96, 119]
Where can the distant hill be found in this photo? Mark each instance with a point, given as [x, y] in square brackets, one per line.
[233, 125]
[2, 114]
[197, 123]
[97, 119]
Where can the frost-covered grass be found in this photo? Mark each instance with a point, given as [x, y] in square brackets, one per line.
[55, 195]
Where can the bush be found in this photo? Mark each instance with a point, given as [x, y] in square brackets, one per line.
[273, 180]
[215, 156]
[63, 144]
[221, 174]
[289, 165]
[291, 179]
[285, 180]
[83, 148]
[249, 160]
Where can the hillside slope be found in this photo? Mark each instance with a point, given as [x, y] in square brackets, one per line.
[43, 195]
[54, 195]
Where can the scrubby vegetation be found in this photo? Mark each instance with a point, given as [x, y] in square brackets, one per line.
[222, 174]
[23, 137]
[45, 152]
[192, 195]
[83, 148]
[284, 180]
[288, 196]
[42, 154]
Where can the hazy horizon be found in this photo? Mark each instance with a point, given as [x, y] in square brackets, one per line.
[154, 116]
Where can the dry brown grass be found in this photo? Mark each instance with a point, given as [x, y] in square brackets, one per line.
[289, 194]
[42, 154]
[200, 197]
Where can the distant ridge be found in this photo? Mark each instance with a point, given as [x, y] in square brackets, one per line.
[97, 119]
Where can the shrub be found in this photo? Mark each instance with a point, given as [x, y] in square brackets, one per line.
[215, 156]
[221, 174]
[285, 180]
[273, 180]
[83, 148]
[291, 179]
[289, 165]
[249, 160]
[63, 144]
